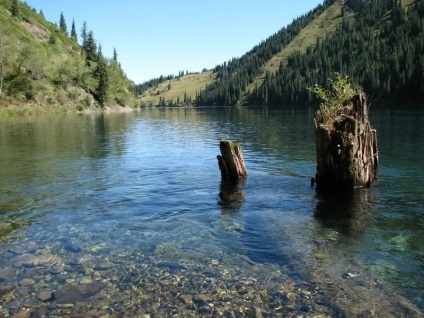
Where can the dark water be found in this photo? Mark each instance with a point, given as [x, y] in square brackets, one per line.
[149, 182]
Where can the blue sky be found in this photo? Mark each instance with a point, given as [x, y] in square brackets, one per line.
[154, 37]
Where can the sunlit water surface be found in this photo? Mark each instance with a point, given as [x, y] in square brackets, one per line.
[149, 183]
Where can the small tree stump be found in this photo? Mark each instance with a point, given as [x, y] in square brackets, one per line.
[347, 154]
[231, 162]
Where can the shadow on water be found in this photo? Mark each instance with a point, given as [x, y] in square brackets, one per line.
[258, 243]
[347, 212]
[231, 200]
[231, 195]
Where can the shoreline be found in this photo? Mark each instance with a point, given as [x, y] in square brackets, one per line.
[37, 109]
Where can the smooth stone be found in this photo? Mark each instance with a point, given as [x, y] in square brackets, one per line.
[45, 295]
[292, 296]
[61, 278]
[98, 247]
[6, 273]
[76, 293]
[6, 289]
[26, 282]
[214, 262]
[28, 260]
[67, 296]
[23, 292]
[86, 280]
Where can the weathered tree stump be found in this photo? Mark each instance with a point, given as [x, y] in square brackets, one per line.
[231, 162]
[347, 154]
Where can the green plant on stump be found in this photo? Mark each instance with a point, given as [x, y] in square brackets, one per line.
[336, 101]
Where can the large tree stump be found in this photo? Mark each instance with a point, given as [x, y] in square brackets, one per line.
[231, 162]
[347, 154]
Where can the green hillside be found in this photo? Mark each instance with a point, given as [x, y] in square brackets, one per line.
[377, 43]
[176, 91]
[42, 67]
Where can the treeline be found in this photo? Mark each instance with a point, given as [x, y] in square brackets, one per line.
[51, 67]
[234, 76]
[381, 49]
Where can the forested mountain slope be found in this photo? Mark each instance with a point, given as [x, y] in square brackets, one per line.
[381, 47]
[378, 43]
[324, 24]
[43, 66]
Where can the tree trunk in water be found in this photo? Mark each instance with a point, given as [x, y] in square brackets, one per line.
[347, 154]
[231, 162]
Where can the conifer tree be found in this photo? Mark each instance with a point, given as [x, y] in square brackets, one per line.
[90, 48]
[99, 51]
[15, 10]
[115, 55]
[74, 31]
[62, 24]
[84, 35]
[103, 84]
[42, 14]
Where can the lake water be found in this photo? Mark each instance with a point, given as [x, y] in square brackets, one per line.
[130, 203]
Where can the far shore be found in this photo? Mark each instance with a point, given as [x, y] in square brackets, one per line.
[29, 108]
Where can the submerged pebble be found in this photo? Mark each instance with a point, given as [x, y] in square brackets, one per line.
[164, 284]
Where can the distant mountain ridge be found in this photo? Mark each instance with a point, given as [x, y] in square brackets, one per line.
[377, 43]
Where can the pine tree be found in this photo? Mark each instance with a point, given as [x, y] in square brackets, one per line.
[15, 10]
[90, 49]
[103, 84]
[42, 14]
[100, 51]
[84, 35]
[115, 55]
[62, 24]
[74, 31]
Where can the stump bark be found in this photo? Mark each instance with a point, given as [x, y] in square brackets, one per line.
[347, 154]
[231, 162]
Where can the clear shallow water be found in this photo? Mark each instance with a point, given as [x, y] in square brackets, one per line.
[148, 183]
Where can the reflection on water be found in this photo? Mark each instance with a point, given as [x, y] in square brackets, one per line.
[136, 202]
[345, 212]
[231, 195]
